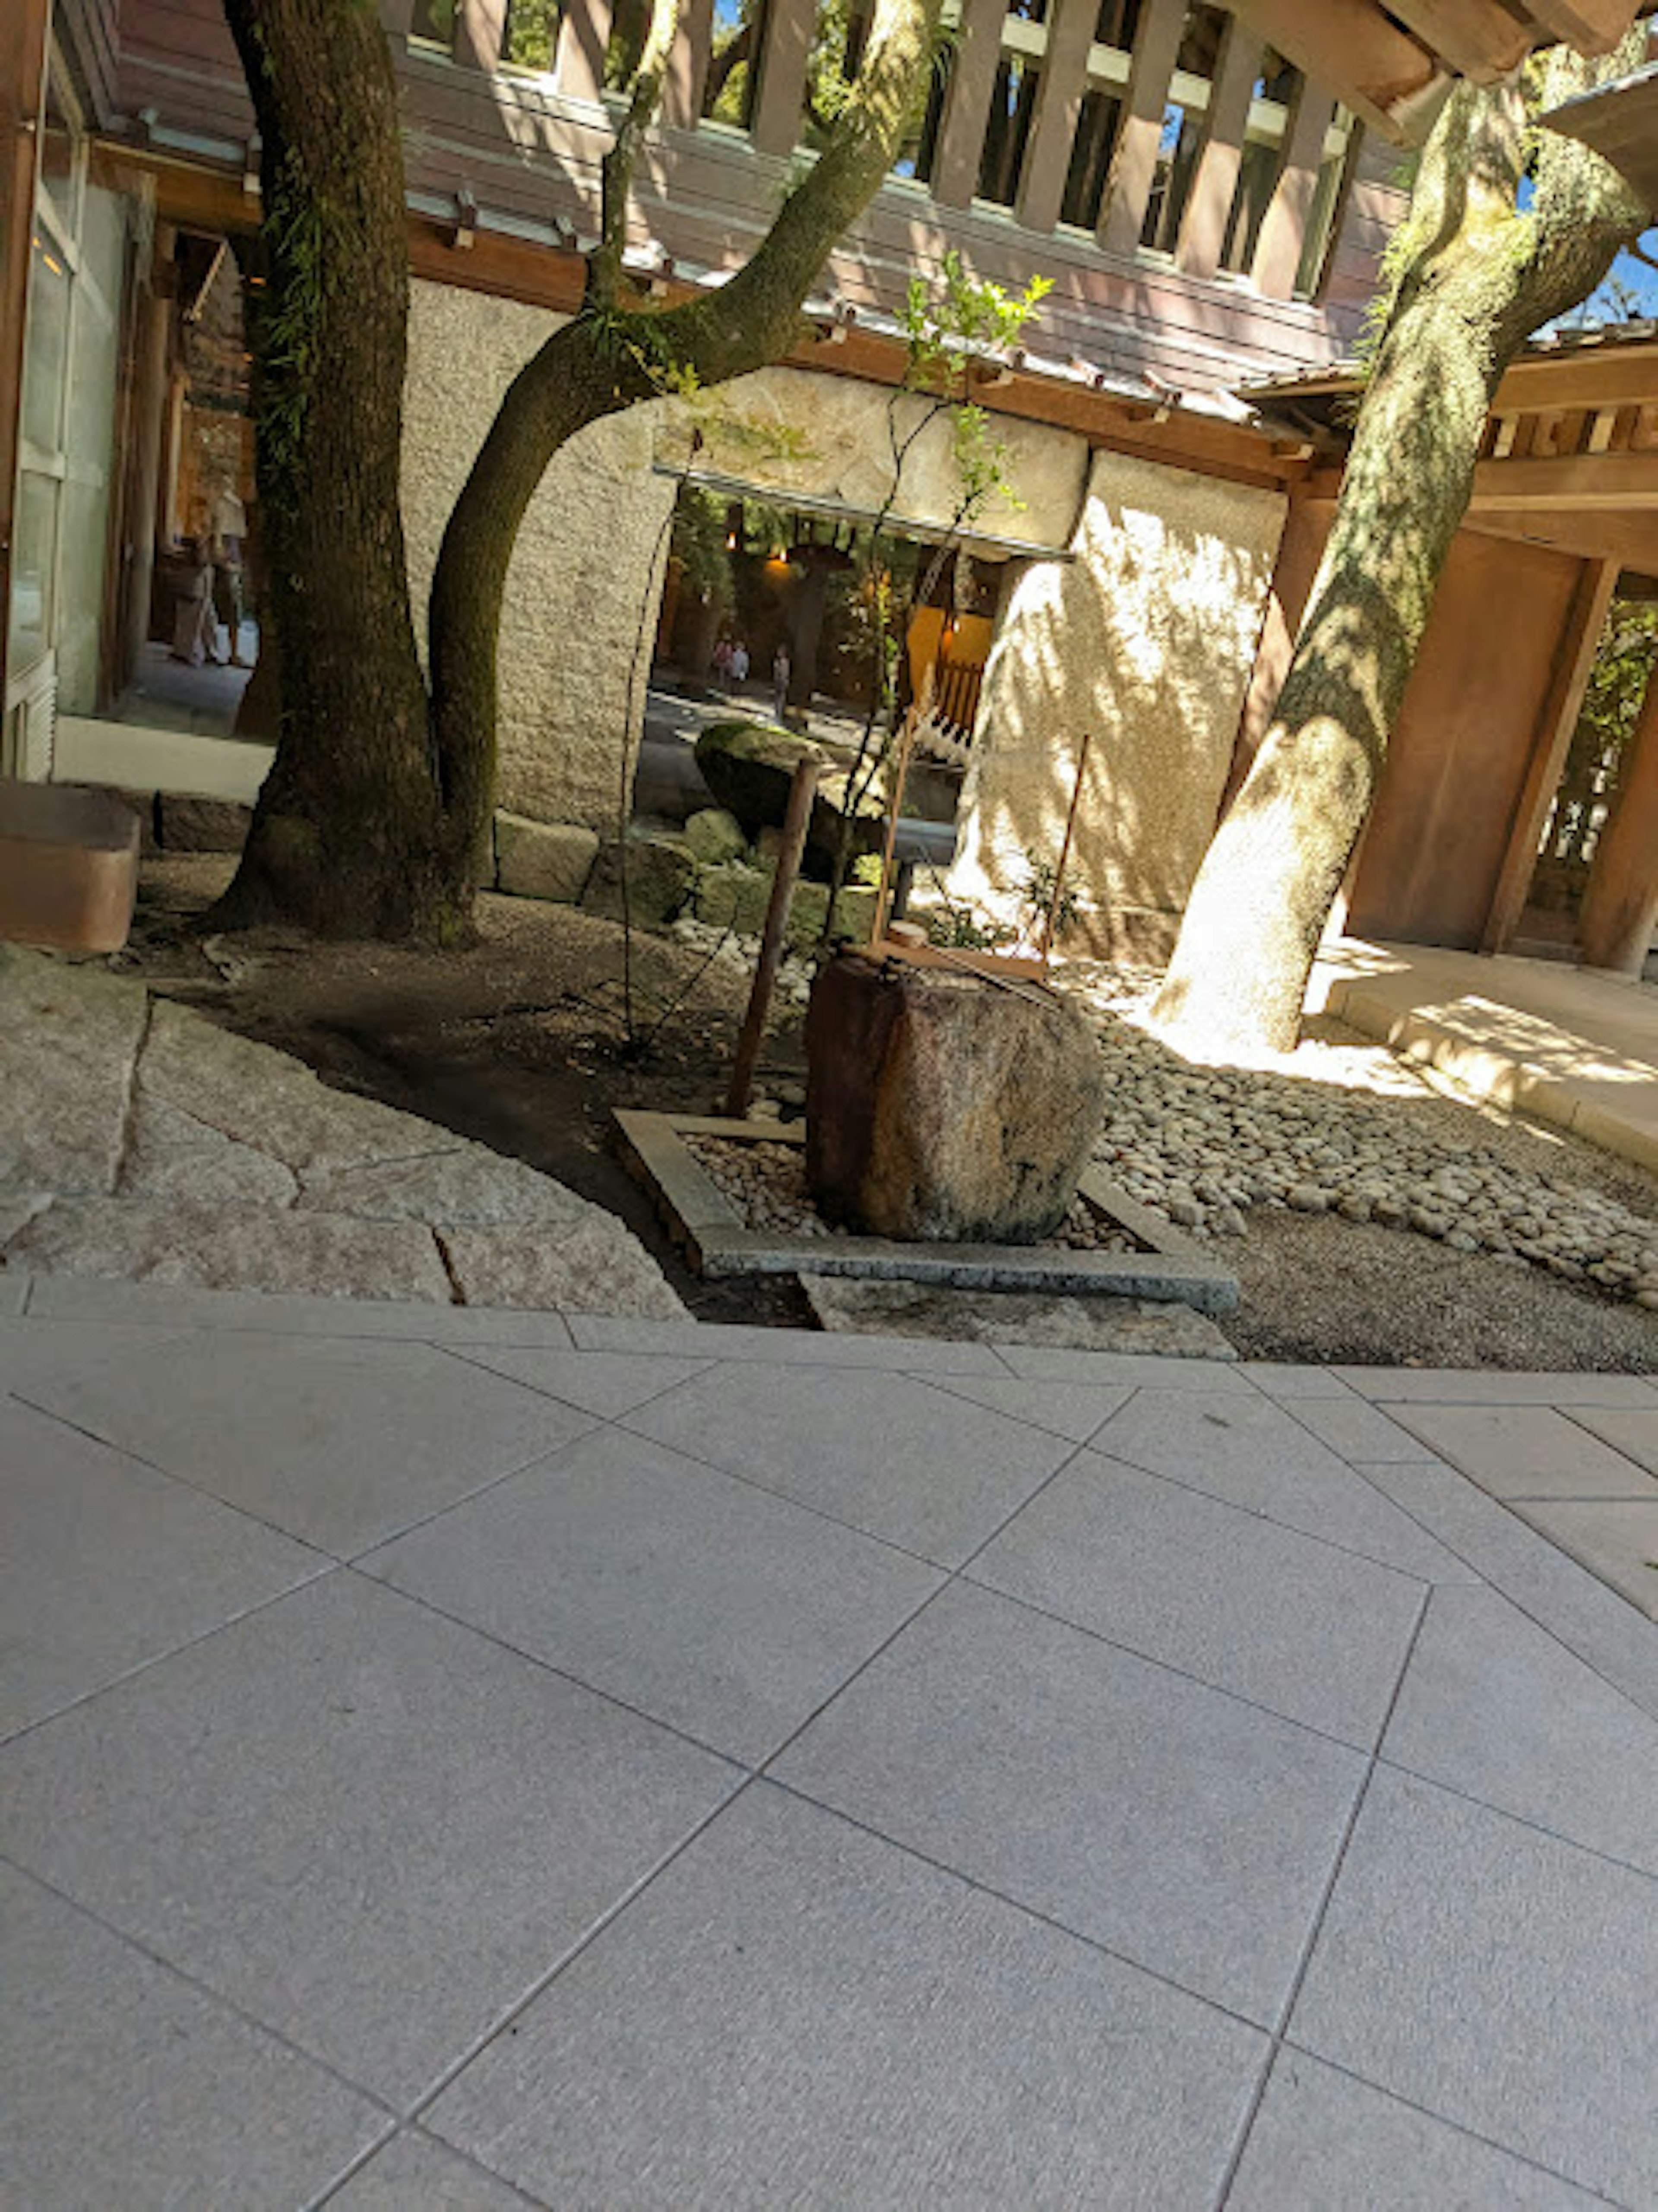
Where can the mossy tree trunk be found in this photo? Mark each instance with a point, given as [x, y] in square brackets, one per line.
[350, 836]
[381, 793]
[1476, 275]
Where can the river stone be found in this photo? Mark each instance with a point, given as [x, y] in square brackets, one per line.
[543, 859]
[942, 1107]
[715, 836]
[750, 766]
[660, 875]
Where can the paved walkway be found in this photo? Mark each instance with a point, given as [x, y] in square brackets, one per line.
[1569, 1045]
[453, 1754]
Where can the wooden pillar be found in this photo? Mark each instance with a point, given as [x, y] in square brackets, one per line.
[1203, 233]
[688, 66]
[22, 103]
[1620, 904]
[1573, 663]
[149, 399]
[584, 30]
[786, 29]
[480, 27]
[1134, 163]
[1059, 106]
[967, 104]
[1283, 229]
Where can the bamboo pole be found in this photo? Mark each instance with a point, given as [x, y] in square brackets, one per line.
[884, 897]
[1049, 918]
[796, 822]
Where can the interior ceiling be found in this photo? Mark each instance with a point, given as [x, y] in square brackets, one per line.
[1391, 64]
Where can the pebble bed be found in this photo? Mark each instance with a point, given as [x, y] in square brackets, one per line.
[766, 1184]
[1201, 1146]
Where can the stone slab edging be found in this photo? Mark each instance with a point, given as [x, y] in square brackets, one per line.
[720, 1243]
[1497, 1071]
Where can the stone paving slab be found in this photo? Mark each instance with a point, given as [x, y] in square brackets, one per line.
[322, 1894]
[140, 1142]
[1616, 1538]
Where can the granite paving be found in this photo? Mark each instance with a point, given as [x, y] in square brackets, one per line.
[456, 1757]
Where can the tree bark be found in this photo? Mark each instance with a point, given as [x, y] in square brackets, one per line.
[1477, 276]
[347, 838]
[612, 356]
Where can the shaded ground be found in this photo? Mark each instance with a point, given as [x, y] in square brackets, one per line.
[522, 1043]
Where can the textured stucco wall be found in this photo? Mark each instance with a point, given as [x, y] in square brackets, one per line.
[1146, 639]
[579, 580]
[796, 431]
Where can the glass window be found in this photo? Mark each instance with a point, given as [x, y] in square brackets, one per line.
[1177, 160]
[529, 39]
[34, 555]
[1007, 134]
[728, 95]
[47, 344]
[1322, 217]
[832, 66]
[1090, 160]
[920, 146]
[432, 23]
[1118, 24]
[1200, 41]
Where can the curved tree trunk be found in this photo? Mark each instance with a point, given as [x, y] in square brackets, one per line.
[611, 356]
[346, 837]
[1478, 277]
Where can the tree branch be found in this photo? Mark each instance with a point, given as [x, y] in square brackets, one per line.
[617, 172]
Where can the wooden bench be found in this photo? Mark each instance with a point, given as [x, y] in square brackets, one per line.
[68, 866]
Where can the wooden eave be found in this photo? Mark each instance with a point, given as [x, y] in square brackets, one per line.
[1620, 121]
[1392, 64]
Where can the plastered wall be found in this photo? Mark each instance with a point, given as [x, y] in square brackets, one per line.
[585, 571]
[1145, 638]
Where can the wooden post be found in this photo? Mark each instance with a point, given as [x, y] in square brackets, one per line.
[1059, 104]
[22, 101]
[1573, 665]
[1134, 162]
[796, 822]
[967, 103]
[895, 807]
[1203, 233]
[1052, 916]
[787, 28]
[1620, 905]
[1284, 227]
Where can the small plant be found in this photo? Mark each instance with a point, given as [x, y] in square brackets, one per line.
[1041, 879]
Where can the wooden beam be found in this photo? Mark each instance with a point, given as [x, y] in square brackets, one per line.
[1203, 232]
[1134, 160]
[1574, 661]
[584, 28]
[480, 27]
[967, 102]
[1389, 78]
[688, 66]
[1593, 27]
[1631, 538]
[1620, 900]
[1617, 483]
[1284, 231]
[1480, 39]
[1059, 108]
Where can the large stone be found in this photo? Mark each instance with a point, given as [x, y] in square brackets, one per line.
[942, 1106]
[735, 897]
[590, 1266]
[190, 824]
[715, 836]
[543, 859]
[856, 1305]
[750, 767]
[660, 877]
[69, 1039]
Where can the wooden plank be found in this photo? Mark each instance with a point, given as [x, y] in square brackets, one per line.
[1593, 27]
[967, 102]
[1203, 231]
[1573, 665]
[1616, 483]
[1631, 539]
[1284, 231]
[1059, 108]
[1133, 164]
[1384, 75]
[787, 26]
[1480, 39]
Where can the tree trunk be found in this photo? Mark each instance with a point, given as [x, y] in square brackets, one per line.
[611, 356]
[1478, 276]
[348, 837]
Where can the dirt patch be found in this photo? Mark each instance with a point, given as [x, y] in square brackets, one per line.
[523, 1043]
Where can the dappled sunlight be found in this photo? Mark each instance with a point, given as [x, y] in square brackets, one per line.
[1146, 641]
